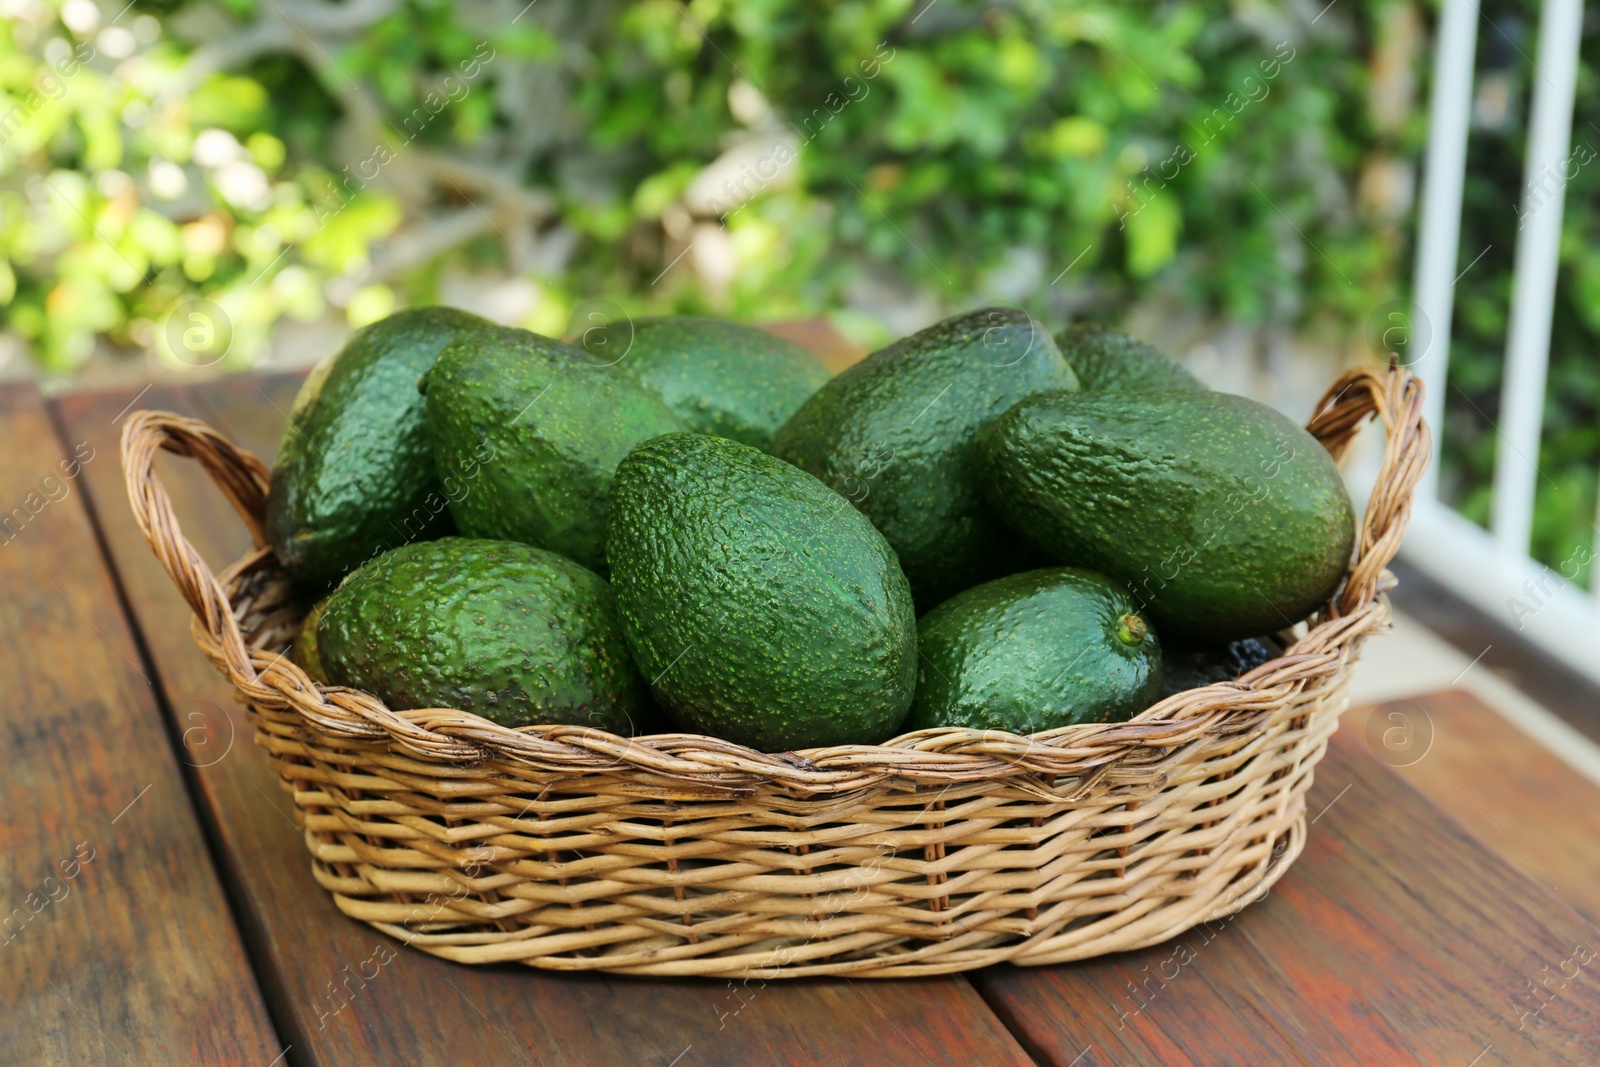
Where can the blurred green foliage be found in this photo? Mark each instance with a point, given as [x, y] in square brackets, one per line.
[1236, 159]
[935, 149]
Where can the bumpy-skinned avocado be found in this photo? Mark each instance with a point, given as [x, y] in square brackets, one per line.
[511, 632]
[1109, 360]
[894, 434]
[761, 607]
[1190, 666]
[355, 472]
[1034, 651]
[727, 379]
[542, 431]
[1225, 518]
[304, 649]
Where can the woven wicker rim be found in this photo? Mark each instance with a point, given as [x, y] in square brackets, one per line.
[1099, 754]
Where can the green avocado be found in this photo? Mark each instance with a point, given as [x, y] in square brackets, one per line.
[533, 432]
[355, 473]
[1108, 360]
[762, 607]
[1033, 651]
[304, 649]
[1225, 518]
[511, 632]
[726, 379]
[1189, 666]
[894, 434]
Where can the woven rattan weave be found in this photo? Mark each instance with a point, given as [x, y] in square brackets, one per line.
[574, 849]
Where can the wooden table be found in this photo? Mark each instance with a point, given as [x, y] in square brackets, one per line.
[158, 906]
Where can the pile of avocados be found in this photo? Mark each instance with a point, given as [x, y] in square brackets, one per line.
[978, 526]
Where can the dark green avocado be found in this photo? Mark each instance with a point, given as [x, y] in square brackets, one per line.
[1109, 360]
[304, 650]
[1189, 666]
[355, 474]
[511, 632]
[1225, 518]
[1034, 651]
[536, 432]
[761, 607]
[894, 435]
[726, 379]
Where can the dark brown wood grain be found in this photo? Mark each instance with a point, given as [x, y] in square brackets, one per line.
[1395, 939]
[419, 1009]
[116, 942]
[1509, 791]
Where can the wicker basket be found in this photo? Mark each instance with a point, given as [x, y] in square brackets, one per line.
[573, 849]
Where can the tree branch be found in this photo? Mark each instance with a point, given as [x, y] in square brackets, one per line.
[339, 20]
[258, 38]
[430, 238]
[508, 195]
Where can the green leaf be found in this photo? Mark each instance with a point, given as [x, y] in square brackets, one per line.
[1152, 234]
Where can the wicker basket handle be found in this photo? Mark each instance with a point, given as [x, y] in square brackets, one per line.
[242, 478]
[1394, 395]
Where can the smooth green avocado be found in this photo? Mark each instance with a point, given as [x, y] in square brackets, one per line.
[1225, 518]
[1035, 651]
[1108, 360]
[511, 632]
[759, 605]
[727, 379]
[355, 472]
[894, 434]
[542, 431]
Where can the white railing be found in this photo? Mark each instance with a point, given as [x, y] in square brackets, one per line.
[1493, 570]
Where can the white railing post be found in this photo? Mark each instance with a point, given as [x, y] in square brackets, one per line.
[1494, 571]
[1438, 241]
[1533, 294]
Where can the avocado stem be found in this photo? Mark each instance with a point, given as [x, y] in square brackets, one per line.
[1131, 629]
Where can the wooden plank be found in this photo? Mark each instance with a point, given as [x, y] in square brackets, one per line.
[116, 943]
[1510, 792]
[424, 1010]
[1396, 938]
